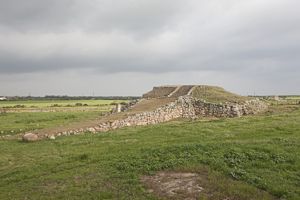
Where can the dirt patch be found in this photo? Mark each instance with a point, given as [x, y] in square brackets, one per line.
[174, 185]
[201, 183]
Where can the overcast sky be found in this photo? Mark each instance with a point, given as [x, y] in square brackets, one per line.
[125, 47]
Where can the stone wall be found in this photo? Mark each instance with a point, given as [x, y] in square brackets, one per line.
[186, 107]
[228, 110]
[183, 107]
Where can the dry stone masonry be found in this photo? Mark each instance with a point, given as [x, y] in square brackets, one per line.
[185, 106]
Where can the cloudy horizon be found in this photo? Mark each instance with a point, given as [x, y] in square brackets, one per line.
[125, 47]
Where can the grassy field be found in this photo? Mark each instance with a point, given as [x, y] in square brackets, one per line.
[57, 103]
[20, 116]
[239, 157]
[293, 98]
[14, 123]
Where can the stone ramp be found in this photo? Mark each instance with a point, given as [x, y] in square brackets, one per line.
[150, 104]
[169, 91]
[160, 92]
[174, 91]
[181, 91]
[191, 90]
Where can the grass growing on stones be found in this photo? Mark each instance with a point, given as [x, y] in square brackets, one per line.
[254, 157]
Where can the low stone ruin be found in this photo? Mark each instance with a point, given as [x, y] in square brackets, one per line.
[185, 106]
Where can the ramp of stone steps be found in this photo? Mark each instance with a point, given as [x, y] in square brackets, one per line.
[181, 91]
[160, 92]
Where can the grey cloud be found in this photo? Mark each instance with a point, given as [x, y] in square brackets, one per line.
[258, 39]
[89, 15]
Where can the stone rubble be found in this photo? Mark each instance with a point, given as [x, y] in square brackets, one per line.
[52, 137]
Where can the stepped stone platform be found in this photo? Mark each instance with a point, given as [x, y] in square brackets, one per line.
[182, 90]
[168, 91]
[166, 103]
[159, 92]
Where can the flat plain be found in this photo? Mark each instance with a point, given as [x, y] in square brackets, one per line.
[21, 116]
[253, 157]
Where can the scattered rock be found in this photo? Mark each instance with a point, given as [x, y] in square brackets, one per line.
[52, 137]
[92, 130]
[30, 137]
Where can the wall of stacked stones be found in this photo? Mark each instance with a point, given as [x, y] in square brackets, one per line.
[162, 114]
[183, 107]
[228, 110]
[186, 107]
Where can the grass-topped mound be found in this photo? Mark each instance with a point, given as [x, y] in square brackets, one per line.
[211, 94]
[216, 94]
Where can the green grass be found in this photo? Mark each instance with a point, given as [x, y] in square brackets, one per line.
[48, 103]
[13, 123]
[216, 94]
[293, 98]
[243, 154]
[20, 116]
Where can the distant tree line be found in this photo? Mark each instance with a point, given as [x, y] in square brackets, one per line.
[65, 97]
[271, 96]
